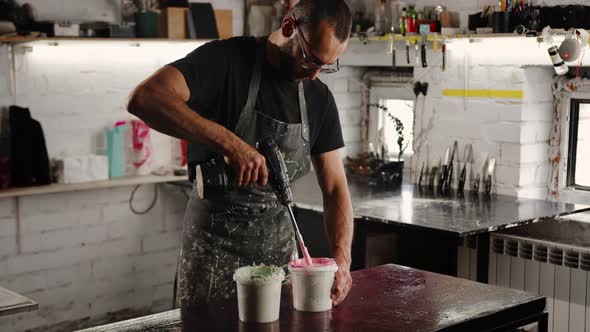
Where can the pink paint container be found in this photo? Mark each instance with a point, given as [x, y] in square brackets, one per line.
[312, 285]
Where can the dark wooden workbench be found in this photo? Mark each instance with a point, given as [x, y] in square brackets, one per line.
[383, 298]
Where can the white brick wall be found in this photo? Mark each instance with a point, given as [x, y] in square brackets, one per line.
[6, 82]
[345, 85]
[84, 254]
[82, 257]
[67, 84]
[78, 89]
[514, 131]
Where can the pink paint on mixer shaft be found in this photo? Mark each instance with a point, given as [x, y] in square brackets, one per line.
[305, 253]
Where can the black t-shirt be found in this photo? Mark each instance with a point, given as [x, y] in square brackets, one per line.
[218, 75]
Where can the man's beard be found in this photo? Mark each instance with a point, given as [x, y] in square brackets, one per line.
[289, 65]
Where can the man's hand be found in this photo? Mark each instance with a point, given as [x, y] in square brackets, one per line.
[342, 281]
[248, 163]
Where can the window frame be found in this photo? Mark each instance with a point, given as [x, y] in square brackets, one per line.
[572, 142]
[567, 193]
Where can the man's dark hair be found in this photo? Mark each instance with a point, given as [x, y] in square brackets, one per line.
[309, 14]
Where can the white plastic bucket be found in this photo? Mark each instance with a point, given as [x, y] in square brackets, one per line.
[259, 293]
[312, 285]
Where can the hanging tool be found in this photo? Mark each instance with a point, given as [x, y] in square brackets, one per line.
[420, 88]
[392, 46]
[481, 169]
[408, 50]
[423, 51]
[433, 174]
[443, 170]
[214, 178]
[475, 184]
[463, 175]
[489, 175]
[435, 43]
[421, 176]
[426, 167]
[417, 52]
[443, 49]
[437, 175]
[447, 185]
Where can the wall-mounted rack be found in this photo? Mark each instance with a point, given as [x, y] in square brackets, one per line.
[25, 39]
[111, 183]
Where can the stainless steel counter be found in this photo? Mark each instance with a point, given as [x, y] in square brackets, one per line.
[408, 207]
[564, 231]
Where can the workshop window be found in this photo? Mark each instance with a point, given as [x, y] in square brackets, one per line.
[403, 110]
[397, 100]
[578, 170]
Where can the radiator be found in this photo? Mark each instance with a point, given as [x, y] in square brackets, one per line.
[557, 271]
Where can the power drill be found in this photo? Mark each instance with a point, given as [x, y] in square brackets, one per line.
[214, 178]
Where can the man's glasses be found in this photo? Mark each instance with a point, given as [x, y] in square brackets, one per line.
[310, 64]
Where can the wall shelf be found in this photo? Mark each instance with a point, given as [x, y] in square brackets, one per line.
[396, 37]
[504, 49]
[12, 303]
[111, 183]
[25, 39]
[438, 36]
[361, 51]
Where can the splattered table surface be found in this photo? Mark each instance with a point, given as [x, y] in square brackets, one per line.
[409, 207]
[383, 298]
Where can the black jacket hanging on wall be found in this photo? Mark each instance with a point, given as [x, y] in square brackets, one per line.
[28, 152]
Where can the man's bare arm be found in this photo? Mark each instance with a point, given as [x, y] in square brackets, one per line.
[160, 101]
[337, 217]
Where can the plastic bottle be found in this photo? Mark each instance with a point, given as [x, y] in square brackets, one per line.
[117, 149]
[403, 21]
[412, 16]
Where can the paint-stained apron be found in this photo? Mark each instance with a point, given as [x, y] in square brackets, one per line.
[247, 225]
